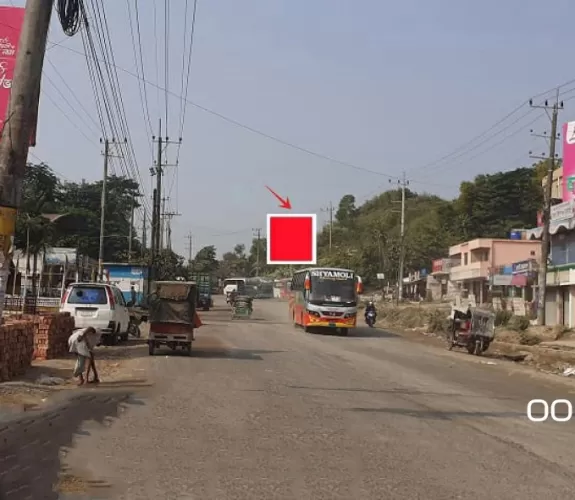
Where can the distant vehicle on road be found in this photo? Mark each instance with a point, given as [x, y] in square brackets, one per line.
[99, 305]
[232, 284]
[325, 298]
[282, 288]
[204, 284]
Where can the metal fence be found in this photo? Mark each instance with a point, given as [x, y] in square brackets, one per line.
[31, 305]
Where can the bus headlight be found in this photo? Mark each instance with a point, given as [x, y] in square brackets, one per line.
[315, 314]
[349, 315]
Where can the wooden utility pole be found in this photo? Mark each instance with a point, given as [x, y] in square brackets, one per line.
[258, 235]
[329, 210]
[403, 183]
[18, 124]
[545, 238]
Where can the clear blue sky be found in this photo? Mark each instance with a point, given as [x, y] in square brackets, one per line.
[386, 86]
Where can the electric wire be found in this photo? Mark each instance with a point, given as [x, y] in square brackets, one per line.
[113, 126]
[166, 61]
[281, 141]
[143, 101]
[69, 15]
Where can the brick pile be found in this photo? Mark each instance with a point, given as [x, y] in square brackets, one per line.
[51, 333]
[16, 348]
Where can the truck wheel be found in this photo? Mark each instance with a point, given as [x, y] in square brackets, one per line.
[188, 349]
[151, 348]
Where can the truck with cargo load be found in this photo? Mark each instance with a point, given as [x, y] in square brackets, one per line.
[204, 283]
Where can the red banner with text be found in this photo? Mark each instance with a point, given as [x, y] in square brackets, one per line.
[11, 20]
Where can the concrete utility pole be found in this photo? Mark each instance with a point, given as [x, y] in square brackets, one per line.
[103, 210]
[258, 235]
[547, 196]
[154, 222]
[403, 183]
[18, 124]
[144, 235]
[131, 236]
[189, 237]
[168, 216]
[159, 202]
[158, 172]
[107, 155]
[329, 210]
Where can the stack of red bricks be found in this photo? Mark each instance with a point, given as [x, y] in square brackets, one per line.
[51, 335]
[16, 348]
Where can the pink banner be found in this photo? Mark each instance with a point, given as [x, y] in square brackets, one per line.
[569, 161]
[11, 20]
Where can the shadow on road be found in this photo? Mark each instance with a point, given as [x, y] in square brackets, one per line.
[220, 353]
[441, 415]
[407, 392]
[31, 445]
[374, 333]
[358, 332]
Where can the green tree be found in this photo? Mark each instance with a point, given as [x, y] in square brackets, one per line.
[205, 260]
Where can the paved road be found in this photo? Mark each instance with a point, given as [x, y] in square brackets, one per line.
[266, 411]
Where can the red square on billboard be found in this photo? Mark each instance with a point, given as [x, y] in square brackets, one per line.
[292, 239]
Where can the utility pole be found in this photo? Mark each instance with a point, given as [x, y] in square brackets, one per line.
[107, 155]
[545, 239]
[258, 235]
[168, 216]
[158, 171]
[144, 235]
[189, 237]
[329, 210]
[153, 246]
[18, 124]
[163, 222]
[131, 236]
[403, 183]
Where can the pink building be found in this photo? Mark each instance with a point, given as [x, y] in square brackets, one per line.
[473, 260]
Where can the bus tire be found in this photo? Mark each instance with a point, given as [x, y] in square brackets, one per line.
[306, 329]
[344, 332]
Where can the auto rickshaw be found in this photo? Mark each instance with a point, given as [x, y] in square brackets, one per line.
[172, 315]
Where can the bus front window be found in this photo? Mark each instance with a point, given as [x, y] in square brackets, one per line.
[332, 291]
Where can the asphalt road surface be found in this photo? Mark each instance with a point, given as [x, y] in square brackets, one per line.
[265, 411]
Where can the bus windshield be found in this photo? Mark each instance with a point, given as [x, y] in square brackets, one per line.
[332, 291]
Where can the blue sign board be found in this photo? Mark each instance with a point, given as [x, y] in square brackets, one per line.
[131, 280]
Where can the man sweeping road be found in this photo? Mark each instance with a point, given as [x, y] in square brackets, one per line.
[82, 343]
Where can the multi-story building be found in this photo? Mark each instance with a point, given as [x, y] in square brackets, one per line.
[473, 261]
[560, 296]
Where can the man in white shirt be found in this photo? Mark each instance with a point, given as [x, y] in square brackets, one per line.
[81, 343]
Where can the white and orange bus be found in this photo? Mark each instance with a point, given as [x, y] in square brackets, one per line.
[325, 298]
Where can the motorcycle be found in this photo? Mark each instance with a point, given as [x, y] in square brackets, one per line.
[370, 319]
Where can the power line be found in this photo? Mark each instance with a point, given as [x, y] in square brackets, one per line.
[304, 149]
[167, 59]
[138, 61]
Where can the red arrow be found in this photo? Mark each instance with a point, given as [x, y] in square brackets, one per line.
[284, 203]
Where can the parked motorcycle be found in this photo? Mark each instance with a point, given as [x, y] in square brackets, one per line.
[370, 319]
